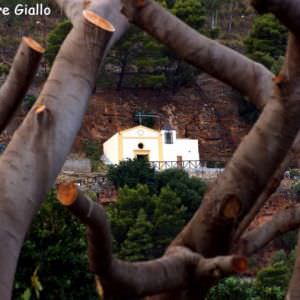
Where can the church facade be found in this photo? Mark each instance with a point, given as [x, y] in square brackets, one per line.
[153, 145]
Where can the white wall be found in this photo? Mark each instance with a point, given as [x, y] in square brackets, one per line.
[131, 144]
[169, 150]
[188, 149]
[111, 149]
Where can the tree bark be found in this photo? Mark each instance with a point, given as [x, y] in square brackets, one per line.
[284, 221]
[272, 186]
[237, 189]
[108, 9]
[22, 72]
[171, 272]
[250, 78]
[38, 149]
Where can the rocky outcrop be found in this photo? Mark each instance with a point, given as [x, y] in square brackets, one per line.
[207, 111]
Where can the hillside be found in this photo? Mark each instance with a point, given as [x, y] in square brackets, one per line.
[208, 111]
[203, 109]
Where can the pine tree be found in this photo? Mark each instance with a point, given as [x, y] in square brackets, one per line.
[140, 61]
[139, 244]
[267, 41]
[55, 39]
[124, 214]
[168, 218]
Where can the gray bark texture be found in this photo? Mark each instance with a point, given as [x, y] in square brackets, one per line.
[38, 149]
[22, 72]
[203, 251]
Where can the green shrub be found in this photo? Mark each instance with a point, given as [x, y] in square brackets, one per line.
[4, 69]
[132, 216]
[132, 173]
[28, 101]
[139, 242]
[270, 283]
[232, 288]
[56, 244]
[55, 39]
[189, 190]
[276, 275]
[168, 199]
[294, 173]
[267, 41]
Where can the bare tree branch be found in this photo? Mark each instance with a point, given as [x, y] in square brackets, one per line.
[46, 137]
[229, 66]
[22, 72]
[284, 221]
[174, 270]
[236, 190]
[269, 190]
[289, 70]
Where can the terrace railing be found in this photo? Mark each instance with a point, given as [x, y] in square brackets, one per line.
[198, 166]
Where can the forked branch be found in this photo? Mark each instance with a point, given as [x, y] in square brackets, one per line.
[173, 271]
[272, 186]
[282, 222]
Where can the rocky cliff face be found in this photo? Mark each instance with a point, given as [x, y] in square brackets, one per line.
[207, 111]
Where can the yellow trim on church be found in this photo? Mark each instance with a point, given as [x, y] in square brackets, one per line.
[122, 138]
[160, 147]
[121, 149]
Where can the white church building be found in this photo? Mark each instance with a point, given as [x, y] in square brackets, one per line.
[156, 146]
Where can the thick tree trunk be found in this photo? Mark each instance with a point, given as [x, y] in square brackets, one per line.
[22, 72]
[250, 78]
[54, 121]
[35, 155]
[237, 189]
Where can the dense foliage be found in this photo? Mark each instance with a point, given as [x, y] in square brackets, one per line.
[131, 173]
[152, 207]
[55, 39]
[56, 250]
[270, 283]
[141, 61]
[267, 41]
